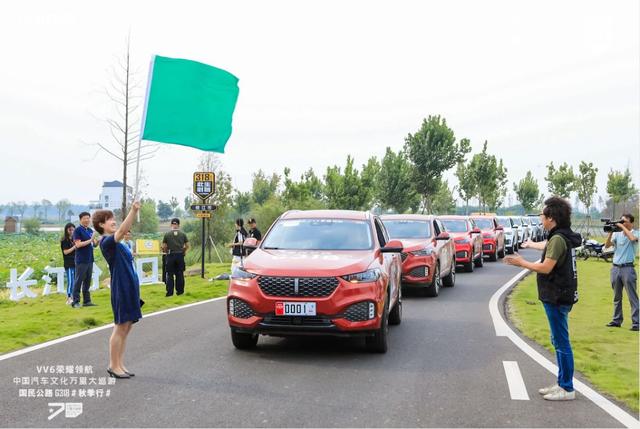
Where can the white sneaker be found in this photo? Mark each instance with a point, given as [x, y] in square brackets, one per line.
[549, 389]
[560, 395]
[69, 301]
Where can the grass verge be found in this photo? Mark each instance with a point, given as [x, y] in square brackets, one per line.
[33, 321]
[608, 357]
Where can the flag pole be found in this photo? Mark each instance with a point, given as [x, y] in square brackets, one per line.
[144, 118]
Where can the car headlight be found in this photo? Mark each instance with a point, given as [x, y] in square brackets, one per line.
[364, 277]
[239, 273]
[422, 252]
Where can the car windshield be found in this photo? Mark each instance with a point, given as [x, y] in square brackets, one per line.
[484, 223]
[407, 228]
[525, 222]
[504, 221]
[516, 221]
[455, 225]
[533, 221]
[319, 234]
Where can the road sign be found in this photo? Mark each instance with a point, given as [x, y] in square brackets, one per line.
[203, 207]
[203, 215]
[204, 184]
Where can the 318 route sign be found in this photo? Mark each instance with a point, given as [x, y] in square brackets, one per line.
[204, 184]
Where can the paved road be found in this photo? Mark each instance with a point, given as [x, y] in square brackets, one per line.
[444, 368]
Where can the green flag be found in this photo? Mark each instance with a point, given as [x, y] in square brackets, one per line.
[189, 103]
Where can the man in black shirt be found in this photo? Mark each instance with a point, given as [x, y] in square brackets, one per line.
[175, 243]
[254, 232]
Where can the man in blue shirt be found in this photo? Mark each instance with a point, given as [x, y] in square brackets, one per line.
[85, 242]
[623, 273]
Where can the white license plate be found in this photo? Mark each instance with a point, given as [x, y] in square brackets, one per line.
[295, 308]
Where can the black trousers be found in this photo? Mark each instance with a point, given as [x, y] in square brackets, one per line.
[82, 282]
[175, 273]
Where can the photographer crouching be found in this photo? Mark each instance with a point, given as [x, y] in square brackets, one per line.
[624, 239]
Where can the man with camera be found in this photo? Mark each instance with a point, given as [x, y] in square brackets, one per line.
[624, 239]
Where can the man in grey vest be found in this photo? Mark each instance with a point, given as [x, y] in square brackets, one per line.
[623, 273]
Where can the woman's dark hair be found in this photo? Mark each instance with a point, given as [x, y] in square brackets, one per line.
[65, 233]
[101, 216]
[240, 222]
[559, 210]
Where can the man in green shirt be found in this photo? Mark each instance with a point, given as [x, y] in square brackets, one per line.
[175, 243]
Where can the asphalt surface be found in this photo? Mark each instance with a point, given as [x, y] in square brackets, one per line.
[444, 368]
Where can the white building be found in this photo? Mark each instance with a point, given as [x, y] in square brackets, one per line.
[111, 196]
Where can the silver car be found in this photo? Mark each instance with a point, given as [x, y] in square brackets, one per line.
[510, 233]
[517, 222]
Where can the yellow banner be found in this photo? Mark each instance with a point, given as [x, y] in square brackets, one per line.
[148, 247]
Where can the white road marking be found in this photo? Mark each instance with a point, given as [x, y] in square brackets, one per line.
[517, 389]
[98, 329]
[503, 330]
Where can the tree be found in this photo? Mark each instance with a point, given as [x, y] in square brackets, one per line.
[242, 203]
[306, 194]
[173, 202]
[443, 201]
[620, 188]
[148, 218]
[164, 210]
[264, 187]
[561, 181]
[46, 204]
[432, 151]
[345, 190]
[368, 179]
[123, 91]
[35, 206]
[62, 206]
[585, 186]
[20, 207]
[467, 185]
[527, 192]
[394, 187]
[31, 226]
[70, 214]
[491, 178]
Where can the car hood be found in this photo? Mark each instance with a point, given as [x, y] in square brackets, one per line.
[411, 244]
[308, 263]
[459, 234]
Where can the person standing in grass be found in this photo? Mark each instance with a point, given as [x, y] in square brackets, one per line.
[176, 244]
[125, 286]
[84, 240]
[69, 257]
[557, 288]
[623, 273]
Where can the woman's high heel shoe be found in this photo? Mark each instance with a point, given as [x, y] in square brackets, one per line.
[130, 374]
[115, 375]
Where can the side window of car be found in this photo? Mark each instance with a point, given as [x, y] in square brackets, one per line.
[380, 232]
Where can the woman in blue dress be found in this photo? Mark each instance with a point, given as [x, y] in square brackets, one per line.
[125, 287]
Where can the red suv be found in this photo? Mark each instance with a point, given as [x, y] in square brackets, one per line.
[492, 236]
[428, 258]
[318, 272]
[468, 240]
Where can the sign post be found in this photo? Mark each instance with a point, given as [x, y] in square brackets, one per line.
[204, 186]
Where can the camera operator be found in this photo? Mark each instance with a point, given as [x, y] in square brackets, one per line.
[623, 274]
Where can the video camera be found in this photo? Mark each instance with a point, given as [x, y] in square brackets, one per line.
[610, 226]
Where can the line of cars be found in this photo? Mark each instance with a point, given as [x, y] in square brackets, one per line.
[341, 273]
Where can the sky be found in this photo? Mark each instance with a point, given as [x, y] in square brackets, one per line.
[320, 80]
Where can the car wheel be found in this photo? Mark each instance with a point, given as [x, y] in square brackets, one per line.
[377, 343]
[395, 316]
[243, 341]
[494, 256]
[450, 279]
[501, 253]
[509, 250]
[433, 289]
[468, 267]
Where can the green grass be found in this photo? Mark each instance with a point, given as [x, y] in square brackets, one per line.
[33, 321]
[608, 357]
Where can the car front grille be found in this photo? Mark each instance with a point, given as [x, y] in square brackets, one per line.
[487, 247]
[461, 254]
[357, 312]
[272, 319]
[241, 309]
[421, 271]
[298, 286]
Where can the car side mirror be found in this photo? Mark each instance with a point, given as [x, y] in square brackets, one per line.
[443, 236]
[251, 243]
[393, 246]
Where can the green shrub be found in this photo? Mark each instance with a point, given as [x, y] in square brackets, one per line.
[31, 226]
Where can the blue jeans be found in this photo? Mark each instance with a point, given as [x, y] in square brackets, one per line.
[558, 316]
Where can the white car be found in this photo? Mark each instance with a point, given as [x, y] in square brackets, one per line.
[517, 222]
[537, 231]
[528, 228]
[510, 233]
